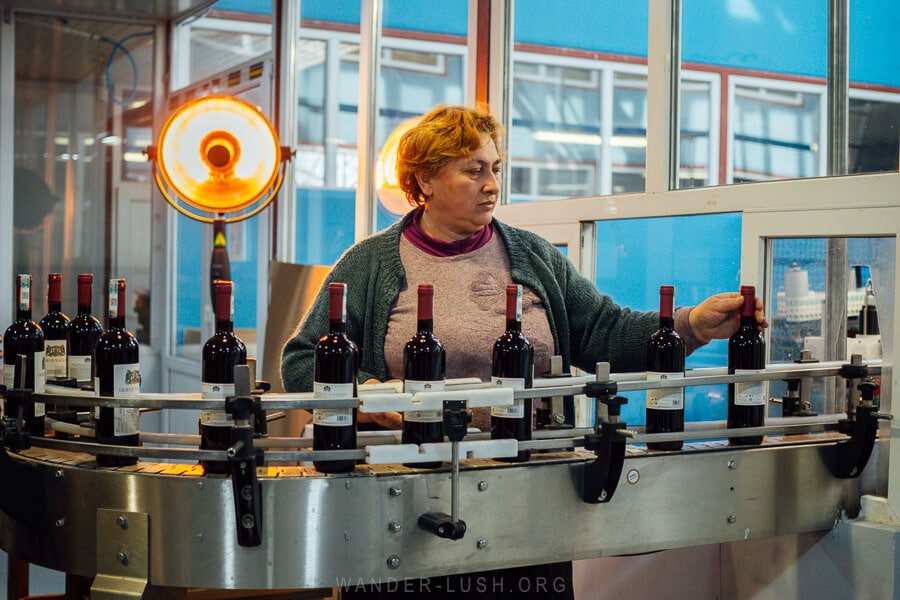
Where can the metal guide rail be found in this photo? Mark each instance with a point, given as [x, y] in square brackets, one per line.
[276, 523]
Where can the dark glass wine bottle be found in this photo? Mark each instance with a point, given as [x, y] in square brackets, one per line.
[512, 365]
[335, 374]
[221, 353]
[84, 331]
[423, 371]
[665, 360]
[24, 337]
[117, 374]
[55, 326]
[747, 354]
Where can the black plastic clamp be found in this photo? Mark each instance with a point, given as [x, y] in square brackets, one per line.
[242, 461]
[851, 456]
[601, 476]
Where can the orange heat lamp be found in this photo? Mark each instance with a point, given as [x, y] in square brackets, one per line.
[387, 186]
[218, 160]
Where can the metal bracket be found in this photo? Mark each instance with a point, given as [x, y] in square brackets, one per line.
[123, 555]
[852, 455]
[601, 476]
[456, 421]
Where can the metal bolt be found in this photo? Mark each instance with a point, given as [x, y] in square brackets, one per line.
[199, 485]
[58, 474]
[122, 558]
[395, 491]
[732, 519]
[248, 522]
[122, 522]
[482, 485]
[732, 465]
[348, 485]
[602, 495]
[247, 492]
[347, 535]
[60, 522]
[394, 527]
[559, 418]
[481, 544]
[393, 562]
[198, 536]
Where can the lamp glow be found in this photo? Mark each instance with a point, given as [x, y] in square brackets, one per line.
[218, 154]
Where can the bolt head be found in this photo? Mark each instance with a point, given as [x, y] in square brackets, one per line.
[122, 522]
[393, 562]
[732, 519]
[395, 491]
[482, 485]
[732, 465]
[481, 544]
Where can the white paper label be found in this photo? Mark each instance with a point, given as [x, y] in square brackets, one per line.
[517, 409]
[56, 364]
[749, 393]
[80, 368]
[666, 398]
[332, 417]
[126, 384]
[9, 374]
[412, 386]
[40, 377]
[216, 391]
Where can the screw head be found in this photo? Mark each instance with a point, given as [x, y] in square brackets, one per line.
[248, 522]
[122, 558]
[394, 527]
[348, 485]
[122, 522]
[481, 544]
[482, 485]
[347, 535]
[198, 536]
[732, 465]
[393, 562]
[395, 491]
[58, 474]
[247, 492]
[559, 419]
[60, 522]
[732, 519]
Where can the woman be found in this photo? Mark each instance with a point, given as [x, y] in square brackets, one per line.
[449, 167]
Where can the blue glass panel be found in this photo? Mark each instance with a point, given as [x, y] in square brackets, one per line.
[700, 255]
[325, 224]
[188, 273]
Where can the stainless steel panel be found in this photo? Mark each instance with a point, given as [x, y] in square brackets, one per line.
[321, 530]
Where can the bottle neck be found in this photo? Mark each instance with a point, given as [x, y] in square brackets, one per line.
[117, 322]
[337, 326]
[224, 325]
[23, 314]
[748, 321]
[425, 325]
[84, 296]
[54, 307]
[666, 322]
[513, 324]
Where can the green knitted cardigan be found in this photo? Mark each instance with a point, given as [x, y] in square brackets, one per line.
[587, 326]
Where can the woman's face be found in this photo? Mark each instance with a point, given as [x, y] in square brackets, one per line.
[461, 197]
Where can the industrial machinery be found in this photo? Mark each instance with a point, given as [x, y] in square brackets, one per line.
[277, 523]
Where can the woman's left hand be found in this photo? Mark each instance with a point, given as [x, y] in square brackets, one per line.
[719, 316]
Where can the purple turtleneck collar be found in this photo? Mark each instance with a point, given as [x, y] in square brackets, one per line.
[424, 242]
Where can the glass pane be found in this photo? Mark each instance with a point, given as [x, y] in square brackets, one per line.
[636, 256]
[773, 122]
[82, 114]
[579, 100]
[233, 32]
[422, 64]
[799, 284]
[874, 87]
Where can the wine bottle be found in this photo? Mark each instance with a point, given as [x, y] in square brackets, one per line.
[84, 331]
[117, 374]
[336, 366]
[746, 354]
[221, 353]
[55, 326]
[423, 371]
[512, 365]
[24, 337]
[665, 360]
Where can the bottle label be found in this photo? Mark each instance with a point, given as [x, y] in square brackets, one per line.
[80, 368]
[517, 409]
[412, 386]
[216, 391]
[113, 298]
[40, 377]
[55, 351]
[332, 417]
[749, 393]
[9, 374]
[666, 398]
[126, 380]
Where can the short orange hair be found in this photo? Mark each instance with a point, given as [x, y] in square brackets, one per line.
[444, 134]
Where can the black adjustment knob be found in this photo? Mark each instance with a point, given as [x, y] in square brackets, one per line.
[599, 389]
[850, 371]
[240, 407]
[793, 385]
[867, 390]
[614, 404]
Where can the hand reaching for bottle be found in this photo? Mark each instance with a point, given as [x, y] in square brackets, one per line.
[719, 316]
